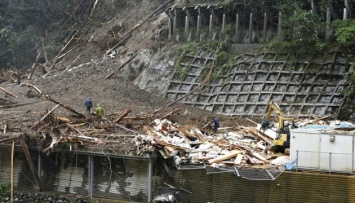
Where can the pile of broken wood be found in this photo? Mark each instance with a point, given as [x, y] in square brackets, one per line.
[78, 130]
[231, 146]
[242, 146]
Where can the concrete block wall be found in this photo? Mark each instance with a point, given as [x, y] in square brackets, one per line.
[302, 84]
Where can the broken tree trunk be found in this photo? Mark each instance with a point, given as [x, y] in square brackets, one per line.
[16, 105]
[74, 129]
[169, 114]
[122, 115]
[62, 119]
[7, 92]
[54, 142]
[121, 66]
[29, 160]
[64, 106]
[120, 126]
[30, 85]
[45, 116]
[35, 65]
[93, 8]
[60, 52]
[47, 62]
[8, 139]
[71, 64]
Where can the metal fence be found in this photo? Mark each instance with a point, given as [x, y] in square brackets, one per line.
[137, 180]
[119, 178]
[329, 162]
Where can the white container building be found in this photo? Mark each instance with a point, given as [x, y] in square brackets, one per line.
[324, 147]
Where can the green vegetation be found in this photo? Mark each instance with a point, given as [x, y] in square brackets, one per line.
[225, 3]
[223, 59]
[351, 92]
[300, 27]
[345, 31]
[4, 189]
[186, 49]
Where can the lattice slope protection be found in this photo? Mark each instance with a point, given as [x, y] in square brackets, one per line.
[302, 84]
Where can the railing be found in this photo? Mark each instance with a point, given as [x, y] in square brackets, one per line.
[330, 162]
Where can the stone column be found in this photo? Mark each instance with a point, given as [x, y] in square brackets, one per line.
[279, 28]
[223, 26]
[251, 27]
[198, 30]
[39, 164]
[346, 4]
[186, 28]
[210, 27]
[313, 6]
[327, 28]
[237, 23]
[150, 179]
[170, 29]
[91, 176]
[345, 14]
[265, 28]
[174, 28]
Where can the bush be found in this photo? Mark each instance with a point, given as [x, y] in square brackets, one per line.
[4, 189]
[345, 31]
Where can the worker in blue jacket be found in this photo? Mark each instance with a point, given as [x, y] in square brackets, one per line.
[215, 124]
[88, 105]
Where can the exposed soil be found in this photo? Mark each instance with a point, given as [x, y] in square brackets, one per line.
[115, 94]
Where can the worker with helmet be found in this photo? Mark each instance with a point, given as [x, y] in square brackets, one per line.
[99, 112]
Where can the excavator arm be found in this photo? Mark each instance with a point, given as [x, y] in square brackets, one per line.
[280, 115]
[283, 138]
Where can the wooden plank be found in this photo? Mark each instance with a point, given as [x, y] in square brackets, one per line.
[122, 115]
[231, 154]
[238, 159]
[262, 136]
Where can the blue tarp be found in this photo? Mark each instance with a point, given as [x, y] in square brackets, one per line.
[343, 125]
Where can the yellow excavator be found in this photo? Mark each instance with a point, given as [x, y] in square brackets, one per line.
[282, 141]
